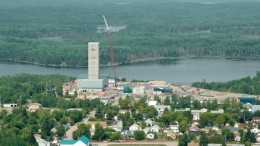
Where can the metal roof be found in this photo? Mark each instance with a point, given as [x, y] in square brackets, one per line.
[83, 138]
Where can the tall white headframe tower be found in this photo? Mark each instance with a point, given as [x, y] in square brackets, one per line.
[93, 60]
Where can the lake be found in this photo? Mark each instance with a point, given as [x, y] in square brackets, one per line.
[176, 71]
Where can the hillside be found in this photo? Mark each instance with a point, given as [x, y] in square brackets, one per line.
[56, 32]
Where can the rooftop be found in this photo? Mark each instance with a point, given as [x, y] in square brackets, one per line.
[83, 138]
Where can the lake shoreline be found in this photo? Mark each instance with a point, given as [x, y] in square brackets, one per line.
[134, 61]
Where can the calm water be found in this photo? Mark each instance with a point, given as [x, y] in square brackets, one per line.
[181, 71]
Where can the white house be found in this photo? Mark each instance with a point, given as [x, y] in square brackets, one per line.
[196, 113]
[148, 122]
[146, 130]
[152, 103]
[139, 90]
[237, 138]
[174, 128]
[82, 141]
[150, 135]
[255, 130]
[161, 108]
[134, 127]
[8, 105]
[155, 128]
[118, 127]
[219, 111]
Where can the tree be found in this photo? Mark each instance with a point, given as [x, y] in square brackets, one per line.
[184, 140]
[83, 129]
[125, 103]
[248, 135]
[203, 139]
[167, 100]
[99, 113]
[99, 133]
[139, 135]
[241, 134]
[46, 127]
[115, 136]
[31, 139]
[60, 131]
[196, 104]
[183, 126]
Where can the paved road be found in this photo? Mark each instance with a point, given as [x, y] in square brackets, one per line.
[167, 143]
[69, 133]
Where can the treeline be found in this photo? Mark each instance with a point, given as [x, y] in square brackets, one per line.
[247, 85]
[57, 32]
[22, 87]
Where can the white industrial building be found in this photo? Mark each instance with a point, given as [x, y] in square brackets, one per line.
[139, 90]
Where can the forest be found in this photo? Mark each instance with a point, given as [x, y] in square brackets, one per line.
[56, 32]
[246, 85]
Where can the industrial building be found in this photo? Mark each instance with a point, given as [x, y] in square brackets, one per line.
[139, 90]
[93, 83]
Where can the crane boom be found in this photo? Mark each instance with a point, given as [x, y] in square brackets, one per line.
[111, 50]
[107, 27]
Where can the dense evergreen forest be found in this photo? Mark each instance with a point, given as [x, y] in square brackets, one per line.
[56, 32]
[245, 85]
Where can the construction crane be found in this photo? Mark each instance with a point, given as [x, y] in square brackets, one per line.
[111, 50]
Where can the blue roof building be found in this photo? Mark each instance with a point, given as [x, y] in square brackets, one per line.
[245, 100]
[82, 141]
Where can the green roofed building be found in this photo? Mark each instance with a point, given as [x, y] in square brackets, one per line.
[245, 100]
[127, 89]
[82, 141]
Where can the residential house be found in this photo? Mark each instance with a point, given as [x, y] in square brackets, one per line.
[149, 122]
[146, 130]
[82, 141]
[195, 131]
[8, 105]
[118, 127]
[127, 134]
[215, 128]
[152, 103]
[237, 137]
[160, 108]
[219, 111]
[255, 130]
[155, 128]
[134, 127]
[169, 133]
[182, 110]
[196, 113]
[174, 128]
[255, 119]
[233, 129]
[34, 106]
[150, 135]
[195, 123]
[255, 108]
